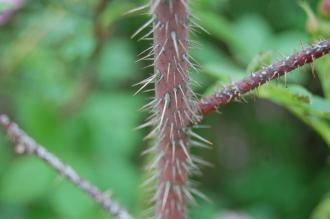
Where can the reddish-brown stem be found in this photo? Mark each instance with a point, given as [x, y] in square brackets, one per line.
[234, 90]
[174, 108]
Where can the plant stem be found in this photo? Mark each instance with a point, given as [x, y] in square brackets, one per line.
[274, 71]
[174, 109]
[26, 145]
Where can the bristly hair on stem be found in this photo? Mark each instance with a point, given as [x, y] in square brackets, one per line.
[173, 108]
[274, 71]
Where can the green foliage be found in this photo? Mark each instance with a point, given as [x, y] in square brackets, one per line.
[323, 209]
[271, 160]
[18, 185]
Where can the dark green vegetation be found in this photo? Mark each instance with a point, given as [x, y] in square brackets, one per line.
[66, 70]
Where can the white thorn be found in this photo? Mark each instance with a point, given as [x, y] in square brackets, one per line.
[175, 43]
[142, 28]
[200, 138]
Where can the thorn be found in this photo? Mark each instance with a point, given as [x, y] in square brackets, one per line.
[161, 51]
[200, 194]
[144, 125]
[193, 134]
[178, 192]
[155, 5]
[145, 83]
[150, 180]
[166, 192]
[150, 32]
[137, 9]
[175, 43]
[167, 100]
[158, 158]
[147, 151]
[202, 162]
[199, 26]
[189, 196]
[182, 145]
[199, 144]
[142, 28]
[175, 97]
[168, 71]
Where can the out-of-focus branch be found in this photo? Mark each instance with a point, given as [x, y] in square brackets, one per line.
[88, 79]
[26, 145]
[274, 71]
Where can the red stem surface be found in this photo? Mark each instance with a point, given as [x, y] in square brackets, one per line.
[173, 109]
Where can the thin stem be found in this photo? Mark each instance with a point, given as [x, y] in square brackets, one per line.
[274, 71]
[25, 144]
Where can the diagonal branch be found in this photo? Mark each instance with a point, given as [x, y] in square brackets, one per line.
[25, 144]
[280, 68]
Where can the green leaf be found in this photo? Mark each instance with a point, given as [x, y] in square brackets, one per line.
[254, 33]
[112, 119]
[70, 202]
[313, 110]
[322, 211]
[260, 60]
[114, 11]
[218, 26]
[121, 178]
[79, 46]
[117, 62]
[323, 69]
[25, 180]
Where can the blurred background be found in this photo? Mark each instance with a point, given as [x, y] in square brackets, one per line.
[66, 75]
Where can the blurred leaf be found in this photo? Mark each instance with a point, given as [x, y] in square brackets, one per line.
[273, 192]
[40, 80]
[79, 46]
[322, 211]
[254, 34]
[112, 119]
[121, 178]
[114, 11]
[117, 62]
[70, 202]
[39, 121]
[204, 210]
[4, 155]
[25, 180]
[313, 110]
[323, 70]
[259, 61]
[220, 28]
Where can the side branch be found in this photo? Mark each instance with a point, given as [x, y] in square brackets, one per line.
[25, 144]
[234, 90]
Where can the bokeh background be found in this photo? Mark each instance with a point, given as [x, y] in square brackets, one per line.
[66, 75]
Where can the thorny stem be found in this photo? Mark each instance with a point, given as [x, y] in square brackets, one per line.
[174, 109]
[25, 144]
[274, 71]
